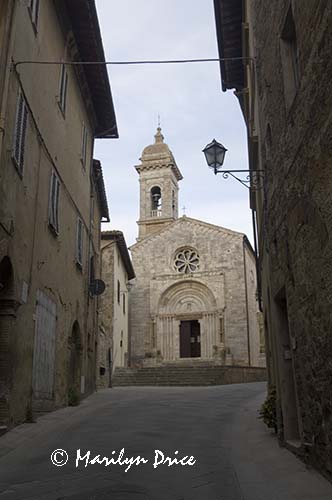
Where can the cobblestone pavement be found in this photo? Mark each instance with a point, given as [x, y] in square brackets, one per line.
[236, 457]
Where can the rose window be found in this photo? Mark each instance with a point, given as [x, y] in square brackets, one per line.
[187, 261]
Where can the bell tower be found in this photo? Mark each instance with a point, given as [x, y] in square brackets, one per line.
[158, 176]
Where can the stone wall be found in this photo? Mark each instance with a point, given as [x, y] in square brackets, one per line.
[296, 150]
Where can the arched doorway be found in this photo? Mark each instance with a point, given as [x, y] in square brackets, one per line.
[74, 369]
[8, 307]
[188, 322]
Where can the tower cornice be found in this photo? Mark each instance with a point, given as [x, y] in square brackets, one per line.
[146, 166]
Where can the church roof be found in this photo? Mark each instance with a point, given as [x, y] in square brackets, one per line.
[190, 220]
[158, 154]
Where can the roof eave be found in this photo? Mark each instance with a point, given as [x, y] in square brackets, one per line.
[229, 16]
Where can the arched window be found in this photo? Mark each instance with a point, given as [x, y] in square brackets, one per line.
[156, 202]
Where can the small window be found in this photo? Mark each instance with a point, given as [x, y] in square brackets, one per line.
[289, 55]
[53, 218]
[79, 242]
[118, 292]
[124, 303]
[63, 88]
[84, 145]
[34, 12]
[20, 133]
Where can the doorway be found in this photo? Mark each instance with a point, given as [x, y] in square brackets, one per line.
[190, 339]
[286, 368]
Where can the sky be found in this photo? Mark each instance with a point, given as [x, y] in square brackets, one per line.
[192, 107]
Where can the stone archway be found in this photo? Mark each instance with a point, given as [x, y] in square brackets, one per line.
[8, 308]
[75, 362]
[188, 301]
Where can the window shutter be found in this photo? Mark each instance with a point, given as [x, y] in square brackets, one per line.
[54, 202]
[65, 91]
[63, 88]
[23, 132]
[79, 242]
[84, 144]
[20, 132]
[36, 12]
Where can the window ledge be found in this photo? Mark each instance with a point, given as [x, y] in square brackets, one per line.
[17, 167]
[83, 164]
[63, 112]
[53, 230]
[34, 25]
[79, 266]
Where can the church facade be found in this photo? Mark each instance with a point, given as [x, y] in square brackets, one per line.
[194, 296]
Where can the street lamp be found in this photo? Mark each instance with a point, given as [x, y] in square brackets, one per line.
[215, 155]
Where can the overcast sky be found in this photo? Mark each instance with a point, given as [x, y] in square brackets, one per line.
[189, 99]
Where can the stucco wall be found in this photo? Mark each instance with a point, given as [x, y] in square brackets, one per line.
[40, 259]
[113, 319]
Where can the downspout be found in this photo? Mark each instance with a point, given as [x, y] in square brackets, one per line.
[247, 304]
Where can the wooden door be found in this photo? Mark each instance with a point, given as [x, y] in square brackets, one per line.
[185, 335]
[195, 339]
[44, 348]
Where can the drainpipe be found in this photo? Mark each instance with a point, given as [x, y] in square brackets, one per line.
[247, 303]
[258, 270]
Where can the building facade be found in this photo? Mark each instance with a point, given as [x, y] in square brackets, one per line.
[52, 200]
[116, 272]
[282, 87]
[194, 296]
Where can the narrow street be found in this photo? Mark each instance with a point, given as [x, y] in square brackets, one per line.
[236, 457]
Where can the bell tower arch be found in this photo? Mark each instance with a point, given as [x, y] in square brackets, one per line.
[158, 176]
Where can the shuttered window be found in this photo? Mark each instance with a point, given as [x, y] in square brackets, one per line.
[63, 88]
[84, 144]
[34, 12]
[53, 218]
[20, 133]
[79, 242]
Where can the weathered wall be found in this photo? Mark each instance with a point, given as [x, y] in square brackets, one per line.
[113, 316]
[106, 313]
[256, 342]
[40, 259]
[297, 157]
[120, 321]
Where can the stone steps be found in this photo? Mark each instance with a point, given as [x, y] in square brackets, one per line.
[203, 375]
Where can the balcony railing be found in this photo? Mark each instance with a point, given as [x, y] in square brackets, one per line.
[156, 213]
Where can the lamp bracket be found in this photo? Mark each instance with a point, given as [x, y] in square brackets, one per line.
[253, 178]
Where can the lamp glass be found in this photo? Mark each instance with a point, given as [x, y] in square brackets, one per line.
[214, 154]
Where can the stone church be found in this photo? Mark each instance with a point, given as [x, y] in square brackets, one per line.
[194, 296]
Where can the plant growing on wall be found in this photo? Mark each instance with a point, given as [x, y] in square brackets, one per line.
[73, 397]
[268, 411]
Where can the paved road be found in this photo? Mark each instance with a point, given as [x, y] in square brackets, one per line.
[236, 458]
